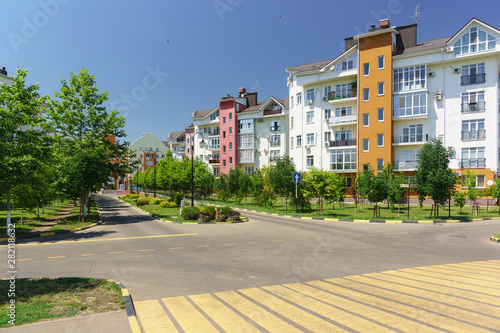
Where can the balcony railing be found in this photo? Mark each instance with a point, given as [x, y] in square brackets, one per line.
[342, 119]
[411, 138]
[474, 135]
[342, 143]
[332, 95]
[214, 161]
[474, 107]
[473, 79]
[343, 166]
[405, 165]
[473, 163]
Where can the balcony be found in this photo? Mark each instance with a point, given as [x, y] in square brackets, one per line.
[410, 139]
[342, 120]
[473, 163]
[214, 161]
[474, 135]
[349, 93]
[342, 143]
[343, 167]
[273, 111]
[473, 79]
[405, 165]
[474, 107]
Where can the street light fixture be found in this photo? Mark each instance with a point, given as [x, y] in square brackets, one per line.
[202, 144]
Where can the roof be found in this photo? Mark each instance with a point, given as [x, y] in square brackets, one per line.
[314, 66]
[469, 23]
[174, 135]
[425, 46]
[202, 113]
[165, 143]
[284, 101]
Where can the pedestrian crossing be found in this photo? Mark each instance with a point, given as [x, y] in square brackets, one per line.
[462, 297]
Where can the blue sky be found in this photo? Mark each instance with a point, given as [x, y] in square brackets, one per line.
[162, 60]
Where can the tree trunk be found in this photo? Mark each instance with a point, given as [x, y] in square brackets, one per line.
[88, 205]
[37, 211]
[9, 186]
[22, 221]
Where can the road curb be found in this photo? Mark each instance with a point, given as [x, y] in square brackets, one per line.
[242, 218]
[129, 308]
[494, 239]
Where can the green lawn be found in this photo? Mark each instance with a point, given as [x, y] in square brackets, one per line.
[71, 222]
[39, 299]
[497, 235]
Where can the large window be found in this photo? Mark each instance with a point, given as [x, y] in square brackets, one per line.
[344, 91]
[310, 117]
[473, 158]
[473, 102]
[343, 135]
[310, 139]
[343, 111]
[214, 143]
[473, 74]
[410, 155]
[479, 181]
[214, 115]
[348, 63]
[310, 94]
[343, 159]
[409, 78]
[473, 129]
[216, 172]
[275, 140]
[412, 133]
[245, 141]
[274, 155]
[246, 156]
[410, 104]
[276, 125]
[245, 126]
[328, 89]
[474, 40]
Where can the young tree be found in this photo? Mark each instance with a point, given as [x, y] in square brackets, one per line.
[459, 198]
[82, 124]
[23, 143]
[434, 178]
[281, 178]
[472, 190]
[315, 186]
[395, 193]
[495, 191]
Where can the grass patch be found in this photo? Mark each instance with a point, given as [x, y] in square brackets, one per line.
[45, 299]
[497, 235]
[71, 222]
[30, 218]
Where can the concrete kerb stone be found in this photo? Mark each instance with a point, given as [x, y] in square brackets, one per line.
[129, 308]
[494, 239]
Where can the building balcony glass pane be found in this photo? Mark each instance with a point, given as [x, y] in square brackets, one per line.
[347, 93]
[474, 107]
[474, 135]
[473, 79]
[411, 138]
[473, 163]
[405, 165]
[342, 119]
[342, 143]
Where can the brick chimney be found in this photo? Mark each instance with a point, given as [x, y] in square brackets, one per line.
[384, 23]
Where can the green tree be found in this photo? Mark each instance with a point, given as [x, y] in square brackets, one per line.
[334, 188]
[395, 193]
[495, 191]
[315, 186]
[23, 143]
[472, 190]
[460, 199]
[235, 175]
[82, 124]
[280, 178]
[434, 177]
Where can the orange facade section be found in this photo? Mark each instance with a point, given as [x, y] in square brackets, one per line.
[375, 127]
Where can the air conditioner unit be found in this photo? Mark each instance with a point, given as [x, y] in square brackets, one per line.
[449, 49]
[260, 120]
[205, 130]
[327, 144]
[310, 101]
[307, 147]
[438, 95]
[457, 70]
[325, 98]
[432, 74]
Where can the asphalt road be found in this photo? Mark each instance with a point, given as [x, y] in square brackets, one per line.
[155, 259]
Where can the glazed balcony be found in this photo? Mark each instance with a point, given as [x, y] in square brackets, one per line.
[405, 165]
[342, 143]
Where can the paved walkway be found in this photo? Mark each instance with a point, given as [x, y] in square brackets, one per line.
[454, 297]
[65, 212]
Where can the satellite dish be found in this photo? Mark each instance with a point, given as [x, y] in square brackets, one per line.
[489, 182]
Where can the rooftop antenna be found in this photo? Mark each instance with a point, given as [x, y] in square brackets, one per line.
[257, 87]
[416, 14]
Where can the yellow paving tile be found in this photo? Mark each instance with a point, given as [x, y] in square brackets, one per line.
[259, 315]
[153, 317]
[188, 317]
[454, 278]
[464, 273]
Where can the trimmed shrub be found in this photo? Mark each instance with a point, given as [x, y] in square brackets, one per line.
[154, 201]
[142, 200]
[133, 196]
[211, 211]
[190, 213]
[178, 199]
[224, 210]
[167, 204]
[132, 192]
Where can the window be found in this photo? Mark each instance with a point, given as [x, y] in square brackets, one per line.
[328, 90]
[310, 117]
[310, 161]
[343, 111]
[328, 113]
[140, 148]
[366, 94]
[409, 78]
[214, 115]
[216, 172]
[291, 122]
[230, 160]
[381, 62]
[248, 170]
[366, 69]
[310, 94]
[245, 126]
[473, 74]
[380, 114]
[410, 155]
[224, 149]
[245, 141]
[275, 140]
[342, 159]
[157, 149]
[246, 155]
[474, 40]
[410, 104]
[149, 163]
[187, 140]
[291, 101]
[230, 116]
[310, 139]
[223, 134]
[230, 146]
[299, 140]
[380, 164]
[223, 120]
[473, 129]
[366, 118]
[365, 145]
[473, 158]
[299, 98]
[274, 155]
[344, 91]
[412, 133]
[224, 163]
[343, 135]
[479, 181]
[381, 88]
[348, 182]
[380, 140]
[214, 143]
[328, 137]
[348, 63]
[276, 125]
[291, 142]
[230, 131]
[473, 102]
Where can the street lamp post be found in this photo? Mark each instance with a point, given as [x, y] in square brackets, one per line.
[202, 144]
[154, 170]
